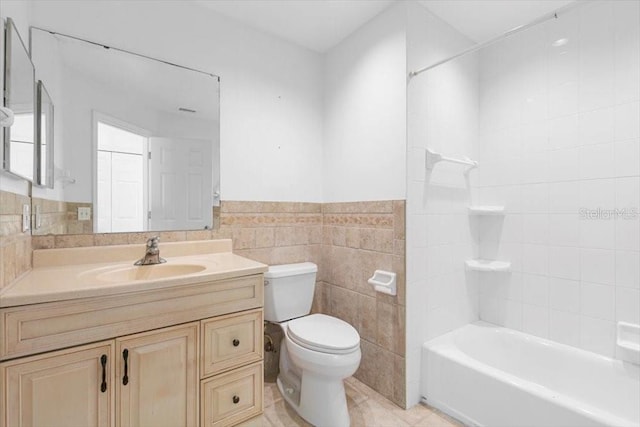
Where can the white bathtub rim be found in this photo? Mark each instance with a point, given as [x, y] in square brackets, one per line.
[441, 346]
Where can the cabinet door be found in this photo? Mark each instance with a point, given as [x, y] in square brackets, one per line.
[158, 378]
[71, 388]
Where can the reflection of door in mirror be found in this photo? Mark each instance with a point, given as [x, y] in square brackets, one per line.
[179, 177]
[120, 178]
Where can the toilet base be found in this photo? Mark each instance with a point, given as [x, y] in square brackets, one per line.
[322, 403]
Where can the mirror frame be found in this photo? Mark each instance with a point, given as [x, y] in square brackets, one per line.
[44, 178]
[10, 31]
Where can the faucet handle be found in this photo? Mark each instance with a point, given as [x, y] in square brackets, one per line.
[153, 241]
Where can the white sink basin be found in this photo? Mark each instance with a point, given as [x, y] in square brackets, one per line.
[144, 272]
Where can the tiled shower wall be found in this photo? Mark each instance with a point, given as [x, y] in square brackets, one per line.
[348, 241]
[15, 246]
[559, 135]
[357, 239]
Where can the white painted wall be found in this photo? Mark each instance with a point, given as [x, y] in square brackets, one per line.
[365, 112]
[271, 90]
[20, 12]
[442, 116]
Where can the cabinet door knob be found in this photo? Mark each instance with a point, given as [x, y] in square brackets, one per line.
[236, 399]
[236, 342]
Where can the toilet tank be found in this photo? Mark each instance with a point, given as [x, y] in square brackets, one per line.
[288, 291]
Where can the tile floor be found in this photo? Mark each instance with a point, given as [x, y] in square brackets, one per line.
[367, 408]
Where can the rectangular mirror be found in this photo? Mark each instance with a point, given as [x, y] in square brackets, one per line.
[44, 137]
[137, 139]
[19, 83]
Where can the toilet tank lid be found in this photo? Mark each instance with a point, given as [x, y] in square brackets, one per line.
[285, 270]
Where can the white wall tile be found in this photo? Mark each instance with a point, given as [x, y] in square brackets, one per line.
[564, 197]
[627, 125]
[597, 266]
[626, 157]
[564, 229]
[564, 295]
[535, 320]
[628, 233]
[597, 161]
[597, 233]
[596, 127]
[628, 269]
[628, 305]
[563, 132]
[535, 259]
[564, 327]
[535, 290]
[535, 228]
[597, 300]
[564, 262]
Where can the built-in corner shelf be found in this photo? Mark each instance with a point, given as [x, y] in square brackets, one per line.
[486, 210]
[490, 266]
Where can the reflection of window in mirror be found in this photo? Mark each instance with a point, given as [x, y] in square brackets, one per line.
[121, 178]
[21, 141]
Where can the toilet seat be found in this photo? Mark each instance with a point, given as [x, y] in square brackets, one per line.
[325, 334]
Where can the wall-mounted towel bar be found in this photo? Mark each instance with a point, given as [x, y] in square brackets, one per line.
[432, 158]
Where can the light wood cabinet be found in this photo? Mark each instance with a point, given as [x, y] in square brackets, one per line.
[71, 388]
[157, 378]
[156, 363]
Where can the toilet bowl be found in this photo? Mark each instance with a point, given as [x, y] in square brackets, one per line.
[318, 351]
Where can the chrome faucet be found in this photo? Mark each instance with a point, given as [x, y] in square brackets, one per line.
[152, 255]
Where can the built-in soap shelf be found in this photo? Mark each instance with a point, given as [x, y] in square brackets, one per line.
[490, 266]
[486, 210]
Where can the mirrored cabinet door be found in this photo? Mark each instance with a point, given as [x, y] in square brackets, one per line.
[19, 75]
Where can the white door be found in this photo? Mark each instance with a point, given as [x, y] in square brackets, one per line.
[127, 192]
[180, 184]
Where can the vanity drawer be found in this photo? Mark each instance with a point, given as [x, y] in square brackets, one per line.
[230, 341]
[230, 398]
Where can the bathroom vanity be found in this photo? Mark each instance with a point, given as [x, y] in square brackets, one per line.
[90, 340]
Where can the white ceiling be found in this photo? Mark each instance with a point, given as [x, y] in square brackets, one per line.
[319, 25]
[315, 24]
[481, 20]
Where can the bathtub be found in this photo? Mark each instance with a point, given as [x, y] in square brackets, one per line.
[486, 375]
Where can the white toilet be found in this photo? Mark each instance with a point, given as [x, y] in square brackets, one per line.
[318, 351]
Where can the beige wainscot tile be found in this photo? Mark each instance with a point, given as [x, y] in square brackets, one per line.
[43, 242]
[74, 241]
[399, 221]
[244, 238]
[199, 235]
[379, 240]
[367, 327]
[107, 239]
[172, 236]
[265, 237]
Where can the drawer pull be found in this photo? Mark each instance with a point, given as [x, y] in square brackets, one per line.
[236, 400]
[125, 356]
[103, 362]
[236, 342]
